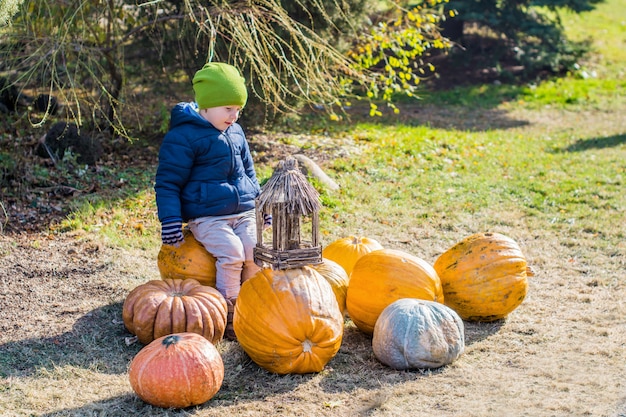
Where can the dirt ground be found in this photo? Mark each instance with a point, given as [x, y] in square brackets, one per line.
[64, 351]
[562, 353]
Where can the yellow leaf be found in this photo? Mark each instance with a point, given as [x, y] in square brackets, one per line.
[332, 404]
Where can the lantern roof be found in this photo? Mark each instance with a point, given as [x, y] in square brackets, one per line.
[289, 187]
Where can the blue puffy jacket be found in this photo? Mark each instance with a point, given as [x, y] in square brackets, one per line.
[203, 171]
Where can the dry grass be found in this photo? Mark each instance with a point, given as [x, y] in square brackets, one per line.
[561, 353]
[63, 348]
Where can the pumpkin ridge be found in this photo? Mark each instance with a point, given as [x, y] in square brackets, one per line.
[145, 312]
[262, 289]
[161, 323]
[193, 315]
[177, 287]
[280, 288]
[209, 330]
[178, 315]
[305, 303]
[213, 300]
[188, 285]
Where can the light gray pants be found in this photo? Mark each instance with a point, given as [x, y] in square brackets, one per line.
[230, 239]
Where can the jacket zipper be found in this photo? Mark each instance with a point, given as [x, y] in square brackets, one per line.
[232, 156]
[232, 166]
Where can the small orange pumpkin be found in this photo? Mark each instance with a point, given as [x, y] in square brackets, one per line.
[337, 278]
[381, 277]
[484, 276]
[189, 260]
[346, 251]
[158, 308]
[288, 321]
[177, 371]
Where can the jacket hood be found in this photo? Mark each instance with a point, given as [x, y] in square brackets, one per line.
[184, 113]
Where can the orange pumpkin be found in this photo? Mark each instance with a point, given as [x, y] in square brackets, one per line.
[158, 308]
[484, 276]
[177, 371]
[381, 277]
[189, 260]
[288, 321]
[346, 251]
[337, 278]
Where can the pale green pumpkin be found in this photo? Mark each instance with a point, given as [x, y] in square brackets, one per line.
[415, 334]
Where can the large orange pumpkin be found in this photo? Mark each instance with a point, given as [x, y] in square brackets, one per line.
[483, 276]
[177, 371]
[158, 308]
[288, 321]
[346, 251]
[189, 260]
[337, 278]
[381, 277]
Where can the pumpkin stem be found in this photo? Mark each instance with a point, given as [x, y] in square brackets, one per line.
[307, 345]
[177, 293]
[356, 240]
[170, 340]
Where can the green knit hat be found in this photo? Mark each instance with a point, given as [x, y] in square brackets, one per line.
[218, 84]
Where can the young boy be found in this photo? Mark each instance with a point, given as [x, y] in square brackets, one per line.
[206, 178]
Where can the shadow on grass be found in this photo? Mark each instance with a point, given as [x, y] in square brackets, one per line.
[463, 118]
[95, 342]
[129, 405]
[582, 145]
[446, 117]
[119, 406]
[354, 368]
[478, 331]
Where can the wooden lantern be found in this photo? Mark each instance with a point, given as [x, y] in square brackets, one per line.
[289, 198]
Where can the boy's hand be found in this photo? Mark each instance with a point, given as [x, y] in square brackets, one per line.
[172, 233]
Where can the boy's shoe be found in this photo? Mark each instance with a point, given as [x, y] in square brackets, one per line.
[229, 334]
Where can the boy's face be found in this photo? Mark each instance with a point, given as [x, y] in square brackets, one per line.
[221, 117]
